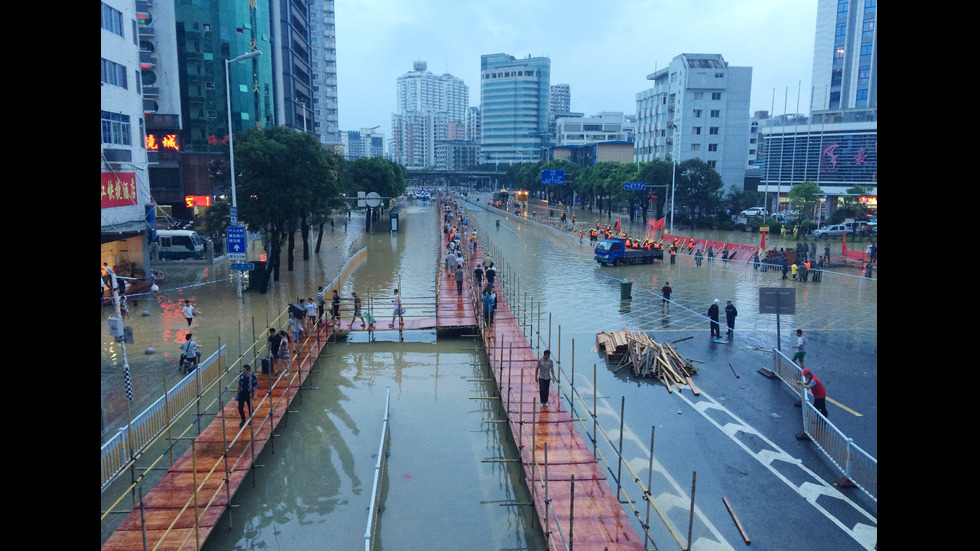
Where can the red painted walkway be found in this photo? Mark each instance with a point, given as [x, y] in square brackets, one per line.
[600, 522]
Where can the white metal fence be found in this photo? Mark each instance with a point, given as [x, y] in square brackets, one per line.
[854, 463]
[131, 439]
[374, 511]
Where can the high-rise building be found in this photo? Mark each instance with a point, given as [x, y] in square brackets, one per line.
[292, 62]
[367, 142]
[561, 98]
[473, 124]
[428, 109]
[514, 103]
[845, 55]
[125, 188]
[837, 145]
[698, 108]
[208, 33]
[323, 53]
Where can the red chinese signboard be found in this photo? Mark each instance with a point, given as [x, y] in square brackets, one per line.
[118, 189]
[197, 201]
[168, 141]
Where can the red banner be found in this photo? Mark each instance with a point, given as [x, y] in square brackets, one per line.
[658, 225]
[118, 189]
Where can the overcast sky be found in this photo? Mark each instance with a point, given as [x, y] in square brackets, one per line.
[603, 49]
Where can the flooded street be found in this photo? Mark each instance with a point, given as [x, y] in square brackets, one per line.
[448, 471]
[449, 486]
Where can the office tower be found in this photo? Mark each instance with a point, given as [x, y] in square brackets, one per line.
[292, 60]
[367, 142]
[323, 53]
[698, 108]
[473, 124]
[208, 33]
[428, 108]
[514, 104]
[845, 55]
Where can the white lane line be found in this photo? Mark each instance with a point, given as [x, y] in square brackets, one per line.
[865, 534]
[678, 500]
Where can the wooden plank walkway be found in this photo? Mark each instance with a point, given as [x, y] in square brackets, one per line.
[171, 504]
[600, 522]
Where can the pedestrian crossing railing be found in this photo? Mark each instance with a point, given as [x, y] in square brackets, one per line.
[145, 426]
[857, 466]
[379, 485]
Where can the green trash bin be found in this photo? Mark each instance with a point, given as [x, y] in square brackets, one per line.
[498, 223]
[625, 290]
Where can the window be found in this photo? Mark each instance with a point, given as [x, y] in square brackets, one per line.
[696, 130]
[715, 113]
[112, 20]
[841, 31]
[716, 95]
[113, 73]
[695, 147]
[712, 147]
[115, 128]
[697, 113]
[713, 164]
[713, 130]
[698, 95]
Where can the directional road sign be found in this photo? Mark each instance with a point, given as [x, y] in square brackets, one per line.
[552, 177]
[237, 249]
[634, 186]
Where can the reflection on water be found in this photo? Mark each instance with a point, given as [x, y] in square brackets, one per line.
[313, 491]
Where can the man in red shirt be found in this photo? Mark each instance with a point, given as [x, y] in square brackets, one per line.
[811, 382]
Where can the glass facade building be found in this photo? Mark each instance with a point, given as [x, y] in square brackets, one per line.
[514, 105]
[837, 157]
[208, 33]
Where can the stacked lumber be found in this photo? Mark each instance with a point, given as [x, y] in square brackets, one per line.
[647, 358]
[613, 343]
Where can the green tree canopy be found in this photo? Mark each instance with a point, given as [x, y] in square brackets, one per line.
[286, 176]
[698, 185]
[804, 198]
[376, 174]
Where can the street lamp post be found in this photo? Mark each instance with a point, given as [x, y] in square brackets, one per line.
[231, 145]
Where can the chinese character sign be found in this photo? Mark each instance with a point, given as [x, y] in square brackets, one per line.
[118, 189]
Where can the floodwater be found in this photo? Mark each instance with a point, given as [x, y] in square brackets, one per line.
[445, 491]
[451, 480]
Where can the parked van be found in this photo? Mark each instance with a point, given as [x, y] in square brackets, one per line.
[179, 244]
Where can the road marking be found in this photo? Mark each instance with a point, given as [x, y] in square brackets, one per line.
[865, 534]
[843, 407]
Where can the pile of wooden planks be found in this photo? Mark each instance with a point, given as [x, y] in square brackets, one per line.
[647, 357]
[613, 343]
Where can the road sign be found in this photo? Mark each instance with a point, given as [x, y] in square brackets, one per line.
[373, 199]
[777, 300]
[237, 248]
[634, 186]
[234, 215]
[243, 267]
[552, 177]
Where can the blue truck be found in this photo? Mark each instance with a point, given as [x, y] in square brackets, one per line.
[614, 252]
